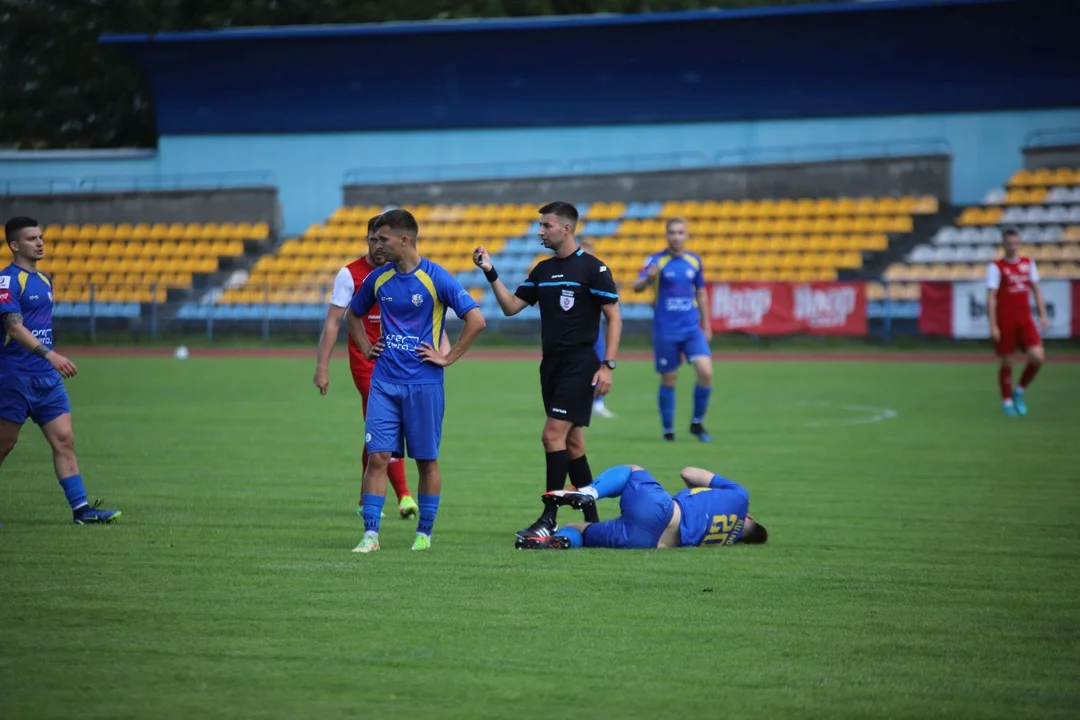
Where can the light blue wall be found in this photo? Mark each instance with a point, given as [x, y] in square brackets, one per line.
[310, 168]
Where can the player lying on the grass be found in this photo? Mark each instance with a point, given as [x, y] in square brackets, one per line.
[31, 372]
[711, 511]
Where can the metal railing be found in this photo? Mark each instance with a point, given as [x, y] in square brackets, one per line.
[651, 162]
[139, 312]
[1052, 137]
[139, 182]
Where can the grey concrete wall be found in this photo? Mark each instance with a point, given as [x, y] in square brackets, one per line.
[229, 205]
[1052, 157]
[885, 176]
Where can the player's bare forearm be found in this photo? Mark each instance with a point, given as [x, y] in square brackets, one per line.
[640, 285]
[991, 308]
[614, 330]
[696, 477]
[474, 324]
[13, 326]
[329, 335]
[444, 344]
[703, 308]
[510, 303]
[1040, 302]
[358, 332]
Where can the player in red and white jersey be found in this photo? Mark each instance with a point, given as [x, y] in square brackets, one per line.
[348, 279]
[1010, 282]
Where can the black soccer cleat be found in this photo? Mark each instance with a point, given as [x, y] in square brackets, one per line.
[555, 542]
[698, 430]
[574, 498]
[670, 437]
[542, 528]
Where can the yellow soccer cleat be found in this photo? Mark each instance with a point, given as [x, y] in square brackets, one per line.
[369, 544]
[408, 508]
[422, 542]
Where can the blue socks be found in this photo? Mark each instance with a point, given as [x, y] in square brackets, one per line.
[701, 402]
[373, 506]
[611, 482]
[576, 539]
[429, 506]
[666, 400]
[74, 491]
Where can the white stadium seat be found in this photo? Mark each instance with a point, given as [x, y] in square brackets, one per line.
[1037, 214]
[947, 235]
[922, 254]
[1057, 214]
[995, 197]
[1074, 214]
[1059, 195]
[1052, 233]
[1014, 215]
[970, 235]
[966, 253]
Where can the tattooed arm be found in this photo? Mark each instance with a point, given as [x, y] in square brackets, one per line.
[13, 326]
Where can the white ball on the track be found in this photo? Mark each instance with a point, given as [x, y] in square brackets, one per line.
[182, 352]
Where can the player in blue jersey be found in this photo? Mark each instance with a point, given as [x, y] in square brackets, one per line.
[405, 407]
[711, 511]
[31, 372]
[599, 405]
[680, 326]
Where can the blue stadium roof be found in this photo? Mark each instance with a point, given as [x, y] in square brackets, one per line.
[527, 23]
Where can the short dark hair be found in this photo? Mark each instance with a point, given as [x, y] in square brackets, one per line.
[16, 224]
[371, 223]
[756, 535]
[1009, 231]
[563, 210]
[399, 220]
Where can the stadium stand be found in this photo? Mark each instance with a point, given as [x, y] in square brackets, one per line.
[121, 266]
[1043, 205]
[773, 239]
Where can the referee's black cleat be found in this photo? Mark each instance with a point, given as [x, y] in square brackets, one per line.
[555, 542]
[542, 528]
[574, 498]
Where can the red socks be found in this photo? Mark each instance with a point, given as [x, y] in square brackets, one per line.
[1030, 371]
[1005, 382]
[395, 472]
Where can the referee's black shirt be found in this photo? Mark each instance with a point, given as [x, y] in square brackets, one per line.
[570, 291]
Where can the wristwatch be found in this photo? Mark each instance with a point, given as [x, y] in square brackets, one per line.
[610, 364]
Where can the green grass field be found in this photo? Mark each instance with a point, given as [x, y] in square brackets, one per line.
[922, 565]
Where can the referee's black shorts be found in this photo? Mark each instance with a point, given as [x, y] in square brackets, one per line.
[566, 384]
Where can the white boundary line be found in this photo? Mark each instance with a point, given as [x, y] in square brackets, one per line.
[871, 413]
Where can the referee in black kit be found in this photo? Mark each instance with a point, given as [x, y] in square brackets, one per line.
[573, 289]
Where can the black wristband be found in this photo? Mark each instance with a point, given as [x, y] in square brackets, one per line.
[491, 275]
[41, 350]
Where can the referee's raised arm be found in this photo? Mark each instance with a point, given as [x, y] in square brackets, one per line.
[511, 304]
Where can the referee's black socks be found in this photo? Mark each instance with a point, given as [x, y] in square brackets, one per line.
[580, 476]
[557, 467]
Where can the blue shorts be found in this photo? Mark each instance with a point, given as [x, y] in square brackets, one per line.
[42, 398]
[600, 348]
[405, 416]
[669, 350]
[645, 511]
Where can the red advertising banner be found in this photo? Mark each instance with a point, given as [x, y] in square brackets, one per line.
[774, 308]
[1075, 308]
[936, 308]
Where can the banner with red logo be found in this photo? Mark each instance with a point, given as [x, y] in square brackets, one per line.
[774, 308]
[958, 309]
[1076, 309]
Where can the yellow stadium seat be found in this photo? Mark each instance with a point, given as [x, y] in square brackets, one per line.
[1042, 177]
[1062, 176]
[1021, 178]
[827, 206]
[866, 206]
[71, 232]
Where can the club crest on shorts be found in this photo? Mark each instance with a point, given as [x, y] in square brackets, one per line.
[417, 299]
[567, 300]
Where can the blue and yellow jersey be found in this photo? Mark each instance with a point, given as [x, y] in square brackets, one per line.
[413, 308]
[677, 281]
[30, 295]
[712, 515]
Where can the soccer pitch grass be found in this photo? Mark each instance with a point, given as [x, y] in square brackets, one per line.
[920, 565]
